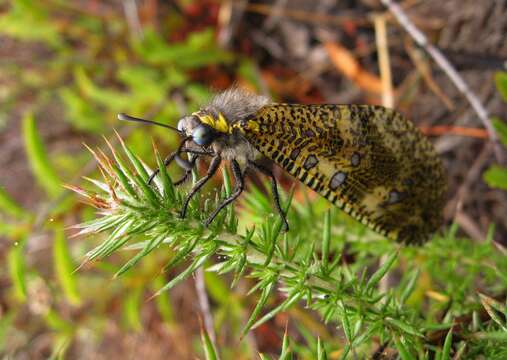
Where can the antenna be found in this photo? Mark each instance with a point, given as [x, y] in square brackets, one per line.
[125, 117]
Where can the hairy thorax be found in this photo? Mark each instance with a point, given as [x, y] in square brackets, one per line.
[235, 147]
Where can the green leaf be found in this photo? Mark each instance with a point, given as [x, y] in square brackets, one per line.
[285, 347]
[217, 289]
[496, 177]
[501, 83]
[321, 351]
[132, 308]
[346, 324]
[241, 263]
[198, 262]
[137, 179]
[294, 296]
[163, 302]
[114, 100]
[55, 321]
[446, 351]
[150, 245]
[64, 267]
[249, 71]
[410, 285]
[141, 171]
[113, 240]
[402, 350]
[167, 184]
[382, 270]
[17, 269]
[326, 239]
[29, 20]
[38, 158]
[358, 340]
[9, 206]
[80, 112]
[494, 310]
[232, 224]
[209, 349]
[500, 336]
[258, 307]
[198, 50]
[500, 129]
[125, 180]
[407, 328]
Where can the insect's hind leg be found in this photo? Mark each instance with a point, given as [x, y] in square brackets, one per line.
[274, 191]
[239, 180]
[213, 167]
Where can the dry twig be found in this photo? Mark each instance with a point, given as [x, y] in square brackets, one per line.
[202, 296]
[383, 59]
[387, 101]
[440, 130]
[449, 69]
[132, 17]
[424, 69]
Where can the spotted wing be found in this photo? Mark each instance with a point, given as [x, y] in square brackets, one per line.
[368, 160]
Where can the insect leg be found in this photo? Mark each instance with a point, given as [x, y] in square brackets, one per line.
[189, 165]
[213, 167]
[274, 190]
[181, 162]
[168, 160]
[192, 162]
[239, 180]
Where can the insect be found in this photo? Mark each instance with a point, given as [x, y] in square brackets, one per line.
[368, 160]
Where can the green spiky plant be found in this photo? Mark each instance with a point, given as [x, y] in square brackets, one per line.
[309, 265]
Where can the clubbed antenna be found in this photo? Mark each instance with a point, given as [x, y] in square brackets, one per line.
[125, 117]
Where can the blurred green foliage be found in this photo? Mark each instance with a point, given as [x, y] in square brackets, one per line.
[496, 176]
[93, 67]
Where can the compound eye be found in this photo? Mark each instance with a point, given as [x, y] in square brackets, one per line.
[203, 135]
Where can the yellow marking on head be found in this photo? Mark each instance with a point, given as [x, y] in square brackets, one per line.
[219, 124]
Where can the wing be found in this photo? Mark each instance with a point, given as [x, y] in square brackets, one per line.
[368, 160]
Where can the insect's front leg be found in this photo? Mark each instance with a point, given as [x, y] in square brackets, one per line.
[169, 159]
[190, 164]
[188, 170]
[274, 191]
[239, 180]
[185, 164]
[213, 167]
